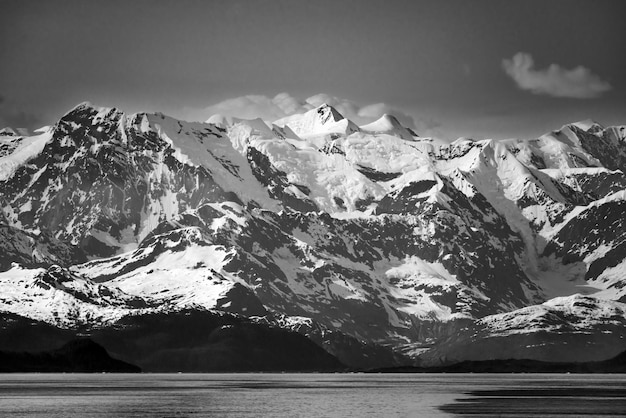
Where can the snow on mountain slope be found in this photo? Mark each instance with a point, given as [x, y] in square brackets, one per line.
[581, 144]
[179, 264]
[387, 154]
[557, 150]
[535, 203]
[60, 298]
[596, 237]
[389, 125]
[30, 250]
[179, 268]
[413, 283]
[321, 121]
[347, 173]
[331, 182]
[607, 145]
[595, 182]
[284, 132]
[17, 151]
[104, 180]
[500, 178]
[573, 328]
[611, 280]
[588, 125]
[333, 271]
[574, 314]
[360, 252]
[200, 145]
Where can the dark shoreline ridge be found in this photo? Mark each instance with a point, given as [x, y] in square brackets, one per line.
[77, 356]
[186, 341]
[83, 355]
[616, 364]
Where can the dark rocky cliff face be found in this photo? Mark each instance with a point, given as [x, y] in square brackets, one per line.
[100, 177]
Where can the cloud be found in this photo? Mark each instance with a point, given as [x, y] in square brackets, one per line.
[252, 107]
[555, 81]
[14, 117]
[20, 119]
[283, 104]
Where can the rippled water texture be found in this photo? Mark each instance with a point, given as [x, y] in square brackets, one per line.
[310, 395]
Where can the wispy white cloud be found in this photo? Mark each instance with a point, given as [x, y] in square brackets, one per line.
[284, 104]
[254, 106]
[555, 81]
[12, 115]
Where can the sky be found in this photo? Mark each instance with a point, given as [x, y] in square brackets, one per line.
[479, 68]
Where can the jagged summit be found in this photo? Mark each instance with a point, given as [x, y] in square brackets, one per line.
[284, 132]
[322, 120]
[328, 113]
[89, 107]
[588, 125]
[233, 125]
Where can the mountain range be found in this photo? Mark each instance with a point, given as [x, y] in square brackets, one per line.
[381, 247]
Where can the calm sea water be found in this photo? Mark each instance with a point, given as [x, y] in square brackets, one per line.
[310, 395]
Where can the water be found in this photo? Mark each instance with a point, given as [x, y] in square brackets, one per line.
[310, 395]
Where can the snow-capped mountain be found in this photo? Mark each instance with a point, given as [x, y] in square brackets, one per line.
[323, 120]
[312, 223]
[388, 124]
[569, 329]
